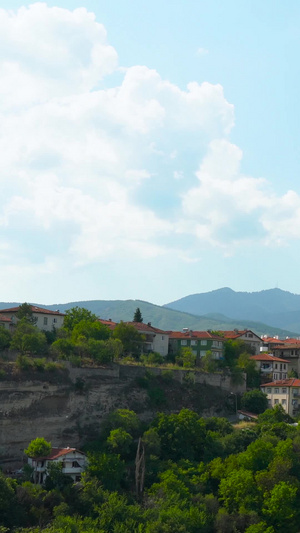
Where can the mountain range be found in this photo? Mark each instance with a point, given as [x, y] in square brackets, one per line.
[270, 312]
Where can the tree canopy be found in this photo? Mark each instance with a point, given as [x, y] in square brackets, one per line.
[137, 317]
[38, 447]
[77, 314]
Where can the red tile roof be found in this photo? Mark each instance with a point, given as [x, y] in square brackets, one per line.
[233, 334]
[34, 309]
[291, 341]
[194, 335]
[272, 340]
[267, 357]
[55, 453]
[5, 319]
[292, 382]
[108, 323]
[147, 328]
[286, 347]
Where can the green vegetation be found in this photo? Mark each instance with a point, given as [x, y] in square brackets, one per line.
[137, 317]
[178, 473]
[38, 447]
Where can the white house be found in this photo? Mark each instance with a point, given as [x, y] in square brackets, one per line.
[247, 336]
[271, 367]
[73, 463]
[156, 340]
[285, 392]
[45, 319]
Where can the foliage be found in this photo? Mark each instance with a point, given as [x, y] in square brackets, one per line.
[129, 336]
[119, 441]
[62, 348]
[137, 317]
[208, 363]
[254, 401]
[5, 338]
[38, 447]
[277, 414]
[28, 339]
[25, 313]
[109, 469]
[186, 358]
[90, 330]
[75, 315]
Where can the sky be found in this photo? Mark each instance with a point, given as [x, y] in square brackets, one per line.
[149, 150]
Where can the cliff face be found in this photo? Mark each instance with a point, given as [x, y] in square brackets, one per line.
[67, 409]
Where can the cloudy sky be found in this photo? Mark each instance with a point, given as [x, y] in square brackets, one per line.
[148, 149]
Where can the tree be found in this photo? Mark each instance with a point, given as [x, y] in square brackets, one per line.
[107, 468]
[25, 312]
[281, 506]
[77, 314]
[5, 338]
[129, 336]
[119, 441]
[275, 415]
[38, 447]
[254, 401]
[137, 317]
[28, 339]
[90, 330]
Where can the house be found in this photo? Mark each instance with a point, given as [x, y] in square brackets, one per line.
[269, 342]
[271, 367]
[291, 352]
[6, 323]
[73, 463]
[45, 319]
[285, 392]
[199, 341]
[247, 336]
[156, 340]
[109, 323]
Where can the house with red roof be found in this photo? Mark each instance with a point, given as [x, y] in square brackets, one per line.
[45, 318]
[245, 335]
[291, 352]
[155, 340]
[73, 463]
[199, 341]
[271, 367]
[284, 392]
[6, 323]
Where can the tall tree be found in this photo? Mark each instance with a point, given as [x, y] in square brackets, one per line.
[25, 312]
[77, 314]
[137, 317]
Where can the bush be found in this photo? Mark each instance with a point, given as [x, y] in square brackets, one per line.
[254, 401]
[23, 362]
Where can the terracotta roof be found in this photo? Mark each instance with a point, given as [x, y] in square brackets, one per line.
[34, 309]
[108, 323]
[5, 319]
[292, 382]
[141, 327]
[272, 340]
[194, 335]
[55, 453]
[267, 357]
[291, 341]
[247, 413]
[286, 347]
[233, 334]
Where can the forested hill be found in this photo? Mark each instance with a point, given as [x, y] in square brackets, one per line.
[275, 307]
[164, 317]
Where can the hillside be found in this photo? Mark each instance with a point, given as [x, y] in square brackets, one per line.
[273, 307]
[165, 318]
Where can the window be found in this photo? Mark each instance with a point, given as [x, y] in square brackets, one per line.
[269, 390]
[284, 367]
[45, 320]
[250, 335]
[203, 343]
[183, 343]
[284, 376]
[284, 391]
[276, 401]
[283, 402]
[276, 390]
[276, 377]
[202, 353]
[193, 343]
[162, 337]
[276, 366]
[54, 320]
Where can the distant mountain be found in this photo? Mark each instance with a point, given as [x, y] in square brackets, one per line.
[164, 317]
[273, 307]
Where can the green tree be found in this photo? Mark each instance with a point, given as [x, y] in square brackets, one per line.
[137, 317]
[208, 362]
[62, 348]
[275, 415]
[5, 338]
[131, 339]
[90, 330]
[109, 469]
[77, 314]
[25, 313]
[239, 490]
[122, 418]
[281, 507]
[119, 441]
[28, 339]
[254, 401]
[38, 447]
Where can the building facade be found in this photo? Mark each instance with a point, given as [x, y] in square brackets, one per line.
[247, 336]
[45, 319]
[284, 392]
[200, 343]
[271, 368]
[73, 463]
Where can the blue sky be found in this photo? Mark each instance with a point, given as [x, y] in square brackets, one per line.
[148, 150]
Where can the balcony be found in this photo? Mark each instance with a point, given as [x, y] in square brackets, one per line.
[267, 369]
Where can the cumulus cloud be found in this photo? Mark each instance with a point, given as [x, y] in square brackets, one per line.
[99, 164]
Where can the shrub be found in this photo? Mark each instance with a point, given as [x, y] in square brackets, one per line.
[23, 362]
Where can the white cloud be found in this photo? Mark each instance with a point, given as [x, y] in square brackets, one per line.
[202, 51]
[96, 165]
